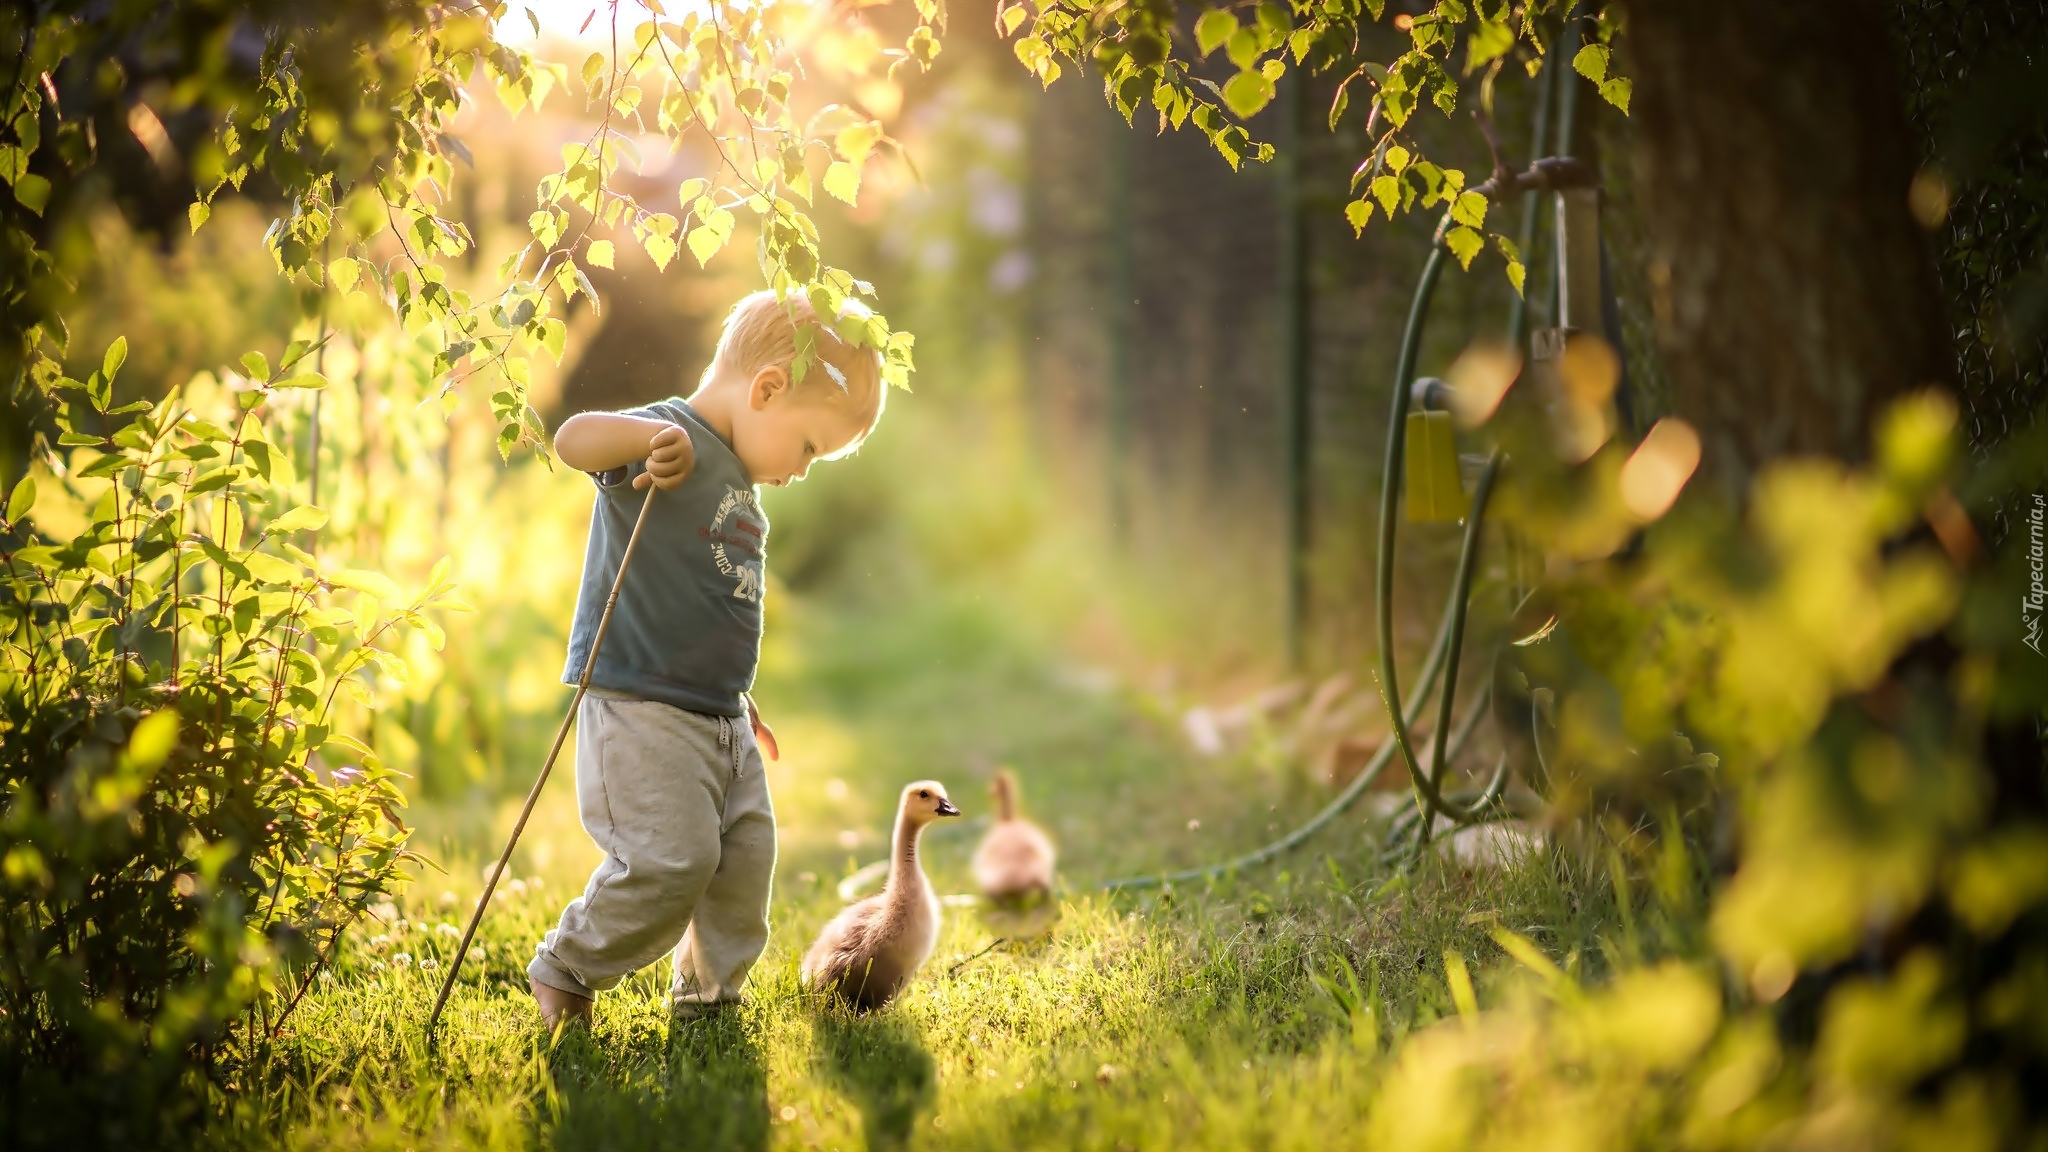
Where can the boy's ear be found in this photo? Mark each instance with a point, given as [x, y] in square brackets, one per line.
[767, 383]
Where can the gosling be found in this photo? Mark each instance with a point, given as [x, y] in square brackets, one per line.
[1013, 866]
[869, 952]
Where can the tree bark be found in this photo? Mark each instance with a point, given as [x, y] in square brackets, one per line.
[1792, 290]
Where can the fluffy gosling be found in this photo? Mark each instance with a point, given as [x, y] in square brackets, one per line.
[1013, 866]
[869, 952]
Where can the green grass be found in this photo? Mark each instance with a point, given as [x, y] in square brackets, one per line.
[1249, 1013]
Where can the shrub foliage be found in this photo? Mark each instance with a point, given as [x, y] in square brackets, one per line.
[185, 835]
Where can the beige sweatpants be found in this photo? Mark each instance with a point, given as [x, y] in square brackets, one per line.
[679, 803]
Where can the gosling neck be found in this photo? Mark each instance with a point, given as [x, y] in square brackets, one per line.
[904, 874]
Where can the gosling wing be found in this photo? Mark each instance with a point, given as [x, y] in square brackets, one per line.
[846, 941]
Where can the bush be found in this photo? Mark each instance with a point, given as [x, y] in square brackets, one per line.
[183, 837]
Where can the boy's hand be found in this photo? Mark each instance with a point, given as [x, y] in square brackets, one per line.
[763, 734]
[669, 459]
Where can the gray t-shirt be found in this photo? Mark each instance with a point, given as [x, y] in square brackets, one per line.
[687, 629]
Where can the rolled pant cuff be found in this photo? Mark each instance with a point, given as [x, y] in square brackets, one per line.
[547, 973]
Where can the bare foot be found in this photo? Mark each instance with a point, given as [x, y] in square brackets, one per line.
[559, 1009]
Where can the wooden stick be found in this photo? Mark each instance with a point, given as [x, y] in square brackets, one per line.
[604, 623]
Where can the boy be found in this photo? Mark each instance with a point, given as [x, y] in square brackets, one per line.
[669, 780]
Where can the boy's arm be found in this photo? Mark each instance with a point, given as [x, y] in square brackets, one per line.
[602, 441]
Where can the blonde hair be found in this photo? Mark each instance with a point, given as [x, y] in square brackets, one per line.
[760, 332]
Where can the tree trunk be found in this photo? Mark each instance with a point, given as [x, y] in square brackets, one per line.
[1793, 292]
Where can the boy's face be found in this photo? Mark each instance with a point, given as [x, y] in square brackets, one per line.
[779, 433]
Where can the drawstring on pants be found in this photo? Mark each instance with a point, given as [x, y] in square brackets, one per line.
[729, 738]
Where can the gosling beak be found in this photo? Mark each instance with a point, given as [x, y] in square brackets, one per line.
[946, 808]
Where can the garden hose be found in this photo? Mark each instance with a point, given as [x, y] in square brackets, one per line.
[1440, 669]
[1427, 784]
[1430, 799]
[1390, 494]
[1335, 808]
[604, 623]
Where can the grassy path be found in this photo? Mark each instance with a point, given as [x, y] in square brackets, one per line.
[1250, 1014]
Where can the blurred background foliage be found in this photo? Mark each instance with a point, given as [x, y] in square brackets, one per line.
[1796, 739]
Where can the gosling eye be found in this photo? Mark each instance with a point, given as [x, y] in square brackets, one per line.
[922, 794]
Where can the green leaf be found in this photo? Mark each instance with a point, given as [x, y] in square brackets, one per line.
[368, 582]
[583, 285]
[270, 569]
[600, 254]
[1246, 93]
[1225, 143]
[259, 457]
[1371, 166]
[363, 751]
[117, 355]
[704, 244]
[659, 248]
[1274, 23]
[23, 499]
[555, 334]
[546, 224]
[1469, 209]
[1591, 62]
[1242, 48]
[1339, 104]
[205, 429]
[197, 213]
[1386, 190]
[1488, 42]
[304, 518]
[153, 739]
[32, 192]
[842, 180]
[1359, 212]
[312, 380]
[856, 141]
[108, 465]
[1464, 243]
[593, 69]
[1215, 27]
[1013, 18]
[343, 272]
[256, 365]
[80, 440]
[1616, 90]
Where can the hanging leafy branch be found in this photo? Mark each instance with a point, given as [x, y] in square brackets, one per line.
[1143, 52]
[724, 77]
[344, 114]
